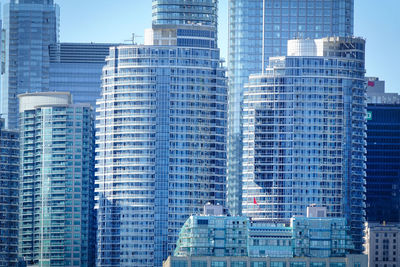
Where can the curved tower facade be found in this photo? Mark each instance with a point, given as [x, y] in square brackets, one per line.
[161, 155]
[161, 134]
[259, 29]
[304, 134]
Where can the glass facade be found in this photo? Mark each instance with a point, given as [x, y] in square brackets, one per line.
[161, 148]
[351, 260]
[9, 177]
[259, 29]
[29, 27]
[57, 223]
[185, 12]
[320, 238]
[161, 135]
[220, 236]
[383, 163]
[77, 68]
[238, 236]
[304, 134]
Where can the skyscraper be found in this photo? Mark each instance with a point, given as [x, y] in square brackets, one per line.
[304, 133]
[9, 177]
[161, 136]
[29, 27]
[185, 12]
[383, 154]
[57, 181]
[77, 68]
[259, 29]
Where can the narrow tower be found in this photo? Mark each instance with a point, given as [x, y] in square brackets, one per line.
[9, 184]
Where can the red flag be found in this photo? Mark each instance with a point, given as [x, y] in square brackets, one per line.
[371, 83]
[255, 201]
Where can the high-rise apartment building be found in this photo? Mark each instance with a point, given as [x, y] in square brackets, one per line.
[57, 223]
[161, 135]
[77, 68]
[9, 178]
[383, 154]
[304, 133]
[259, 29]
[29, 27]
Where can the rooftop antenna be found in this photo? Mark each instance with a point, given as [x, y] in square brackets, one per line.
[132, 40]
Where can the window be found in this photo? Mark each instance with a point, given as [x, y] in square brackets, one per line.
[278, 264]
[179, 264]
[238, 264]
[199, 264]
[317, 264]
[298, 264]
[202, 222]
[258, 264]
[218, 264]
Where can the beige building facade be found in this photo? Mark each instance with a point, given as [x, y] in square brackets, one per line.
[382, 244]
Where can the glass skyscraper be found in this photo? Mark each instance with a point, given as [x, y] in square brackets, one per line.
[161, 137]
[259, 29]
[383, 157]
[56, 220]
[77, 68]
[29, 27]
[304, 134]
[9, 177]
[383, 163]
[185, 12]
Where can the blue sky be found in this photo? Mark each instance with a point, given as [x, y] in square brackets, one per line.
[116, 20]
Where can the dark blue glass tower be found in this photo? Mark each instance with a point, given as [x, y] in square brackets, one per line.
[383, 163]
[9, 176]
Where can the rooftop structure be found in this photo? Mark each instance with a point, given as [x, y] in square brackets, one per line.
[376, 93]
